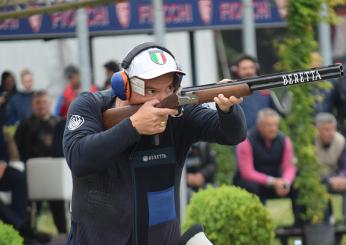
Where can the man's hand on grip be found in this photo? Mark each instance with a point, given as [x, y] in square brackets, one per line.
[149, 120]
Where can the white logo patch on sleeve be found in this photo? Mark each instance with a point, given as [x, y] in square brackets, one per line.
[75, 122]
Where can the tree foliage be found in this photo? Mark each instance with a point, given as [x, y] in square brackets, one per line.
[295, 53]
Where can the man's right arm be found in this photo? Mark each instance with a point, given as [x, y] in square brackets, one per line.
[87, 147]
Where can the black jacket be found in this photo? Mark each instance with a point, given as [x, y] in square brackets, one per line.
[34, 137]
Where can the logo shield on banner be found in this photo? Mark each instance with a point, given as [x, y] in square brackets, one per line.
[123, 12]
[35, 22]
[205, 8]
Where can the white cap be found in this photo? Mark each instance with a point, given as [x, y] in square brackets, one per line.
[152, 63]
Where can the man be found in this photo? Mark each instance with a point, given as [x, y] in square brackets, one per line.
[338, 103]
[110, 68]
[7, 90]
[34, 135]
[126, 178]
[34, 138]
[246, 66]
[331, 155]
[265, 159]
[16, 213]
[71, 90]
[12, 180]
[19, 107]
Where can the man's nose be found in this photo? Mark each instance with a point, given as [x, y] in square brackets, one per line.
[162, 95]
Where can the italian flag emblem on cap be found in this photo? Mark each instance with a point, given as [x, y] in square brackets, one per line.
[158, 57]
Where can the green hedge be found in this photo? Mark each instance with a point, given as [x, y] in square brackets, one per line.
[230, 215]
[224, 156]
[9, 236]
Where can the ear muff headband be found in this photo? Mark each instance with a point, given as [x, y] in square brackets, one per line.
[138, 49]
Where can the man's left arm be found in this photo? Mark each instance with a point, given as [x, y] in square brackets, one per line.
[205, 124]
[288, 167]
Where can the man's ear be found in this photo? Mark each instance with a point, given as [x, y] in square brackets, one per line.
[177, 81]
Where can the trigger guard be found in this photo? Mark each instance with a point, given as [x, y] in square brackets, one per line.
[180, 112]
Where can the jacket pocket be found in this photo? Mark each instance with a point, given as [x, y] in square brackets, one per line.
[161, 205]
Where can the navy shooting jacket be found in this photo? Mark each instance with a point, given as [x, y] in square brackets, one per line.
[102, 202]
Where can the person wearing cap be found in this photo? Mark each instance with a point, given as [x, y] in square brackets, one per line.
[126, 178]
[331, 158]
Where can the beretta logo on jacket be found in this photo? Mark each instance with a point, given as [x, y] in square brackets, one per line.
[75, 122]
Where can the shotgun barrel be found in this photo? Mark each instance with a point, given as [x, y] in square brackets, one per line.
[238, 88]
[280, 79]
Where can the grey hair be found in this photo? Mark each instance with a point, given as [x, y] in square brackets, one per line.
[266, 112]
[324, 117]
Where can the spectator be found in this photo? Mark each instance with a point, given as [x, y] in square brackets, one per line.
[8, 83]
[71, 90]
[265, 160]
[246, 66]
[110, 68]
[34, 138]
[70, 93]
[7, 90]
[16, 214]
[331, 155]
[200, 166]
[338, 104]
[322, 96]
[12, 180]
[20, 105]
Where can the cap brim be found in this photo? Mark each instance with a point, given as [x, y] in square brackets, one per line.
[157, 73]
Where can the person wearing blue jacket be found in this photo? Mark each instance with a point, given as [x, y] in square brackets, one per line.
[245, 67]
[19, 107]
[126, 178]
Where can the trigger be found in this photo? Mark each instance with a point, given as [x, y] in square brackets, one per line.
[180, 111]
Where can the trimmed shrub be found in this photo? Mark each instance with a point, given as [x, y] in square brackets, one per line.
[9, 236]
[225, 164]
[230, 215]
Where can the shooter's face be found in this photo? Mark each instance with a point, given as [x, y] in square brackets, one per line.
[156, 88]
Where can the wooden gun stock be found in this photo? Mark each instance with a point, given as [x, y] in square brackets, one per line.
[244, 87]
[114, 116]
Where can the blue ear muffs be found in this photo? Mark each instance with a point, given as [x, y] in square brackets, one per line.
[121, 85]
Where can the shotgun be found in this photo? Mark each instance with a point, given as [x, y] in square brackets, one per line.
[238, 88]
